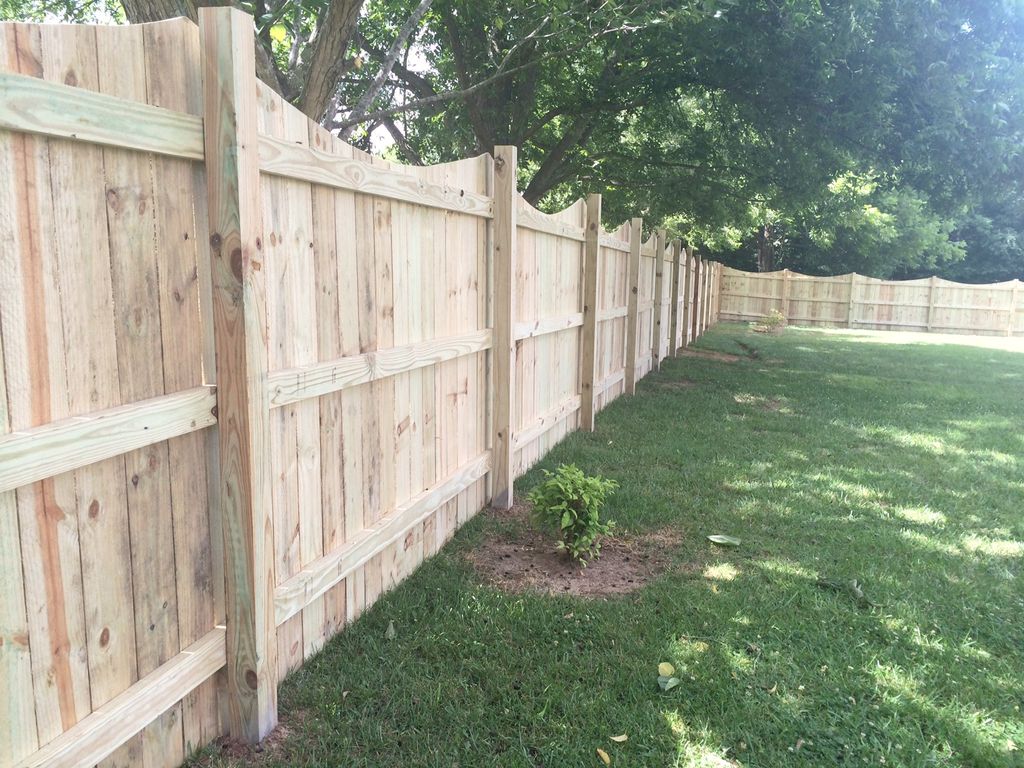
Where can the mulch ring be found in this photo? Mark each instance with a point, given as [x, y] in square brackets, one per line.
[525, 559]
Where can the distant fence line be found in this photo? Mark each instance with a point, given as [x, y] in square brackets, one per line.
[252, 377]
[854, 301]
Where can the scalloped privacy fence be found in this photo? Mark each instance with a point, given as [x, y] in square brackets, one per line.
[854, 301]
[252, 377]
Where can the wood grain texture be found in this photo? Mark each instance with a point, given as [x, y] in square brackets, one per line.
[102, 732]
[294, 161]
[632, 307]
[588, 344]
[659, 299]
[319, 576]
[239, 315]
[294, 384]
[31, 105]
[505, 249]
[30, 455]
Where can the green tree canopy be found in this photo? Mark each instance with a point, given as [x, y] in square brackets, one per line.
[877, 135]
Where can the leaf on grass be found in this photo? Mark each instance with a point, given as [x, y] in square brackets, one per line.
[665, 669]
[391, 632]
[604, 756]
[668, 683]
[619, 739]
[723, 540]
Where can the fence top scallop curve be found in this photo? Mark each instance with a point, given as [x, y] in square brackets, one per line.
[867, 279]
[567, 223]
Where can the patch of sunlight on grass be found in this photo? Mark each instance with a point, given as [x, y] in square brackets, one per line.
[906, 439]
[721, 572]
[927, 542]
[921, 515]
[787, 568]
[1012, 344]
[692, 745]
[993, 547]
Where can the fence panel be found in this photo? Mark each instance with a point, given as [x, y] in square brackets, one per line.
[549, 316]
[401, 301]
[612, 298]
[855, 301]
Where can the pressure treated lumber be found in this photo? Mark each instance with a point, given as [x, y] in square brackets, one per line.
[239, 316]
[34, 454]
[677, 249]
[659, 299]
[294, 161]
[529, 330]
[505, 250]
[632, 307]
[530, 218]
[322, 574]
[99, 734]
[591, 263]
[292, 385]
[31, 105]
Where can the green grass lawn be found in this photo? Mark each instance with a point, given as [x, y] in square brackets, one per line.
[899, 464]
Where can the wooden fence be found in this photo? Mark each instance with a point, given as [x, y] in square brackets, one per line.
[855, 301]
[252, 377]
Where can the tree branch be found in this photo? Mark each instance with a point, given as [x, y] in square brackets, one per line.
[410, 26]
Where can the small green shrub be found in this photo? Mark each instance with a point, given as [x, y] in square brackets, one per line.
[773, 322]
[571, 502]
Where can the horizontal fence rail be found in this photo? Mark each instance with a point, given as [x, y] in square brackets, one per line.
[251, 377]
[854, 301]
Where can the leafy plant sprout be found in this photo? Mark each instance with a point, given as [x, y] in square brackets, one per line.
[571, 502]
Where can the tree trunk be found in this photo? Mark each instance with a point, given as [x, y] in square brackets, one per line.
[765, 249]
[327, 56]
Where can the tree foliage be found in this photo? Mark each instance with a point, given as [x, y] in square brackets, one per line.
[882, 136]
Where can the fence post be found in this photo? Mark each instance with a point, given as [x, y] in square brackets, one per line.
[673, 326]
[708, 275]
[698, 272]
[633, 302]
[688, 295]
[659, 300]
[930, 320]
[785, 294]
[240, 341]
[588, 349]
[853, 301]
[1014, 297]
[506, 209]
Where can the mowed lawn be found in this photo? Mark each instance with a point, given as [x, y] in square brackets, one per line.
[837, 455]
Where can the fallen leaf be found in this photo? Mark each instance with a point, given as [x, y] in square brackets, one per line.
[391, 632]
[668, 683]
[619, 739]
[723, 540]
[604, 756]
[344, 695]
[666, 669]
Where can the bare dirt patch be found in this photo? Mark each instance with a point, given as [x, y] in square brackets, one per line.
[526, 560]
[706, 354]
[234, 752]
